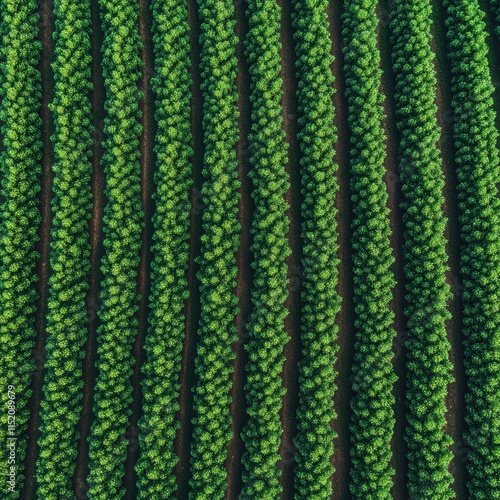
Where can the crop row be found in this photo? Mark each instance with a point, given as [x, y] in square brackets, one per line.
[219, 243]
[373, 375]
[428, 363]
[321, 301]
[20, 170]
[122, 231]
[69, 250]
[263, 390]
[478, 173]
[160, 387]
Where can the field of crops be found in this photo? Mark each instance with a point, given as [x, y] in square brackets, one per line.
[250, 249]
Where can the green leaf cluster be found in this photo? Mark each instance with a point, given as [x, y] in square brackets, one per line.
[122, 232]
[219, 244]
[321, 301]
[428, 363]
[264, 390]
[20, 155]
[173, 147]
[69, 250]
[373, 375]
[478, 174]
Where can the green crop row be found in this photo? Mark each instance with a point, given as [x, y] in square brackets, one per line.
[69, 250]
[173, 147]
[428, 363]
[219, 243]
[373, 376]
[267, 336]
[321, 301]
[122, 231]
[478, 174]
[20, 156]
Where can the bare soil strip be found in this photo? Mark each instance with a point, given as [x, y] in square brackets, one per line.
[293, 303]
[96, 236]
[392, 178]
[46, 28]
[143, 280]
[192, 309]
[455, 400]
[246, 210]
[345, 319]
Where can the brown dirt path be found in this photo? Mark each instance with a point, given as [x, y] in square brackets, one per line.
[293, 303]
[46, 27]
[345, 319]
[398, 305]
[455, 399]
[147, 162]
[192, 309]
[96, 236]
[243, 261]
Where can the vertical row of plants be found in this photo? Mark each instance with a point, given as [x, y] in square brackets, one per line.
[478, 174]
[69, 250]
[372, 422]
[20, 169]
[317, 138]
[173, 147]
[264, 390]
[219, 243]
[428, 363]
[122, 232]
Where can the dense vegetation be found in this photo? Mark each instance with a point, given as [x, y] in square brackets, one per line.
[263, 390]
[122, 230]
[428, 364]
[321, 301]
[197, 133]
[219, 244]
[478, 176]
[373, 375]
[69, 251]
[160, 387]
[20, 170]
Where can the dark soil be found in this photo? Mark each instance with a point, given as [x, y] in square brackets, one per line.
[96, 251]
[345, 319]
[143, 280]
[399, 448]
[46, 28]
[192, 309]
[243, 261]
[293, 303]
[455, 400]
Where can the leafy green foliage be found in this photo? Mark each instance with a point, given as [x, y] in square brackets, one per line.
[69, 256]
[428, 363]
[219, 244]
[160, 387]
[478, 177]
[263, 390]
[122, 229]
[19, 217]
[321, 301]
[373, 375]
